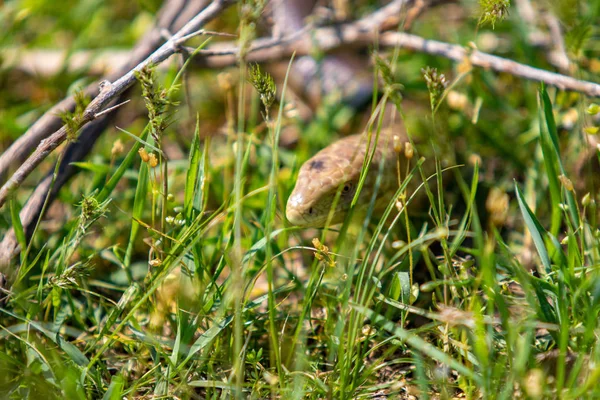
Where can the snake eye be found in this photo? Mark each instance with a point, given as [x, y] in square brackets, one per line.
[347, 187]
[310, 211]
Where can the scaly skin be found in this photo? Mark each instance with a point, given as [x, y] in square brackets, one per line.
[337, 168]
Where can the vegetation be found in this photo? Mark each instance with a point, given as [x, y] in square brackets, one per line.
[166, 268]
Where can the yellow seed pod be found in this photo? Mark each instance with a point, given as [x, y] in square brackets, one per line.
[143, 154]
[397, 144]
[290, 110]
[587, 199]
[399, 205]
[408, 150]
[475, 159]
[593, 109]
[117, 147]
[317, 243]
[566, 182]
[152, 160]
[457, 100]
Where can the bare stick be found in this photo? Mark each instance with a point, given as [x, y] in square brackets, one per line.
[328, 39]
[484, 60]
[172, 15]
[108, 93]
[109, 109]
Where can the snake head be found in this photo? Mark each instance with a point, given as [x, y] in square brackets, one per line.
[311, 202]
[336, 169]
[333, 170]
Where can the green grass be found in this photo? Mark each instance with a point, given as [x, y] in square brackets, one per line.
[487, 287]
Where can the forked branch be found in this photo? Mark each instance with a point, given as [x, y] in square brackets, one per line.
[108, 93]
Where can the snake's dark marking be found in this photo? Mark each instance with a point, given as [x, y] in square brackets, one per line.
[339, 164]
[316, 165]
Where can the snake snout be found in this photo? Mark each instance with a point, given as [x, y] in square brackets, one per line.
[294, 216]
[294, 211]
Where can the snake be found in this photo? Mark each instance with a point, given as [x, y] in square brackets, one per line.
[327, 182]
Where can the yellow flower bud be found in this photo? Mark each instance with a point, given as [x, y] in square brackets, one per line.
[117, 147]
[408, 150]
[317, 243]
[143, 154]
[397, 144]
[152, 160]
[475, 159]
[566, 182]
[586, 200]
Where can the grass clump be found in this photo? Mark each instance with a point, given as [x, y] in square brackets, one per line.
[175, 275]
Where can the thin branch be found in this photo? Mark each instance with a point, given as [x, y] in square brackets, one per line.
[108, 93]
[204, 32]
[172, 15]
[111, 108]
[484, 60]
[327, 39]
[46, 189]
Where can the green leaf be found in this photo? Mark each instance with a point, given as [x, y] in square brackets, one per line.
[70, 383]
[553, 162]
[548, 313]
[260, 244]
[100, 169]
[18, 226]
[177, 344]
[139, 202]
[536, 230]
[115, 389]
[549, 144]
[114, 180]
[200, 194]
[192, 173]
[207, 337]
[400, 287]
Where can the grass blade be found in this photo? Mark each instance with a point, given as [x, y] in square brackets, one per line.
[536, 230]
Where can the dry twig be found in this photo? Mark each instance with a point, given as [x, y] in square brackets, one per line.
[328, 38]
[108, 93]
[173, 14]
